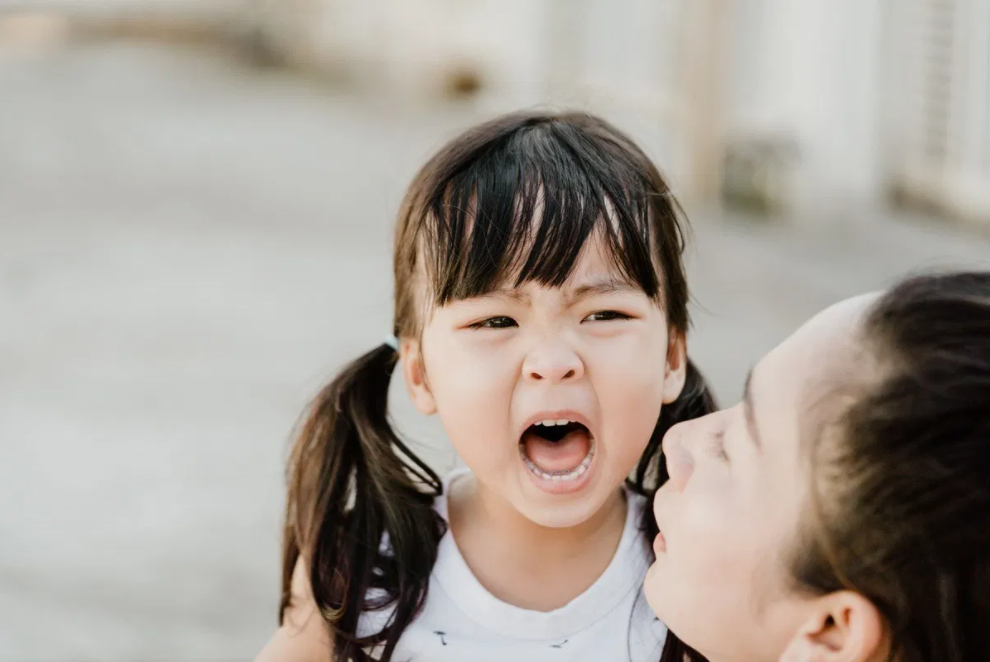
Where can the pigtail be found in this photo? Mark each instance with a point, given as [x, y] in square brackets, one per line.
[352, 480]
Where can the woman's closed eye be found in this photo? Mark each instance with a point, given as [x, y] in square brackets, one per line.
[716, 445]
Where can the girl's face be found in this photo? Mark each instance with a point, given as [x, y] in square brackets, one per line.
[730, 513]
[593, 360]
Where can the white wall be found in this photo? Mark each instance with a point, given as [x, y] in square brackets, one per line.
[410, 48]
[630, 60]
[809, 71]
[940, 134]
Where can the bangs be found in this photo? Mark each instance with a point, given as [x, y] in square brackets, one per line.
[522, 207]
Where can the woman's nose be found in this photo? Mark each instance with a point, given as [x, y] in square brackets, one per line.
[678, 455]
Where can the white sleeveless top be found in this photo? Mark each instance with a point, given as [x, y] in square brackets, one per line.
[609, 622]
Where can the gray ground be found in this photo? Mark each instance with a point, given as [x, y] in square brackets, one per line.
[187, 249]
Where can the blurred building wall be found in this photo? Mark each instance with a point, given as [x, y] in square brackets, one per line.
[692, 79]
[802, 84]
[214, 12]
[813, 106]
[939, 106]
[852, 101]
[649, 65]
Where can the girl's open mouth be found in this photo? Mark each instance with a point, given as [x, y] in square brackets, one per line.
[557, 450]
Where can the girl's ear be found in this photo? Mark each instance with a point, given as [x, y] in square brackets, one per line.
[414, 373]
[675, 371]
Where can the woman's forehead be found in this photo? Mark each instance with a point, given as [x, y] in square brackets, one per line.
[825, 344]
[795, 385]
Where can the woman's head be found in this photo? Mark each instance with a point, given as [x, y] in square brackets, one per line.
[538, 277]
[842, 511]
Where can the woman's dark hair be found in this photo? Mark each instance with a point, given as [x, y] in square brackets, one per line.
[512, 200]
[902, 479]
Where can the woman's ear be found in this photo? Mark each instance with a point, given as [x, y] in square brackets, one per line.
[414, 373]
[675, 371]
[843, 627]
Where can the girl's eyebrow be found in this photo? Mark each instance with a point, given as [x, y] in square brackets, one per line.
[504, 293]
[606, 285]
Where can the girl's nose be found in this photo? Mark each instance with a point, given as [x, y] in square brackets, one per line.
[553, 362]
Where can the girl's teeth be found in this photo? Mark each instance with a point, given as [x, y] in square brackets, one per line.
[550, 422]
[564, 476]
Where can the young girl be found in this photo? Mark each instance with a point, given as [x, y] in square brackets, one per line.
[540, 311]
[842, 511]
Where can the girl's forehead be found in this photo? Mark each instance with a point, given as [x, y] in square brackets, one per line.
[572, 290]
[592, 273]
[479, 238]
[594, 262]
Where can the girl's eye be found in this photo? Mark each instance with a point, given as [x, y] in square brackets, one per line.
[606, 316]
[495, 323]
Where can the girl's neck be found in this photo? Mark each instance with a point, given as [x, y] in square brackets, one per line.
[523, 563]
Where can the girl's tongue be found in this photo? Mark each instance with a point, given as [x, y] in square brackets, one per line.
[551, 456]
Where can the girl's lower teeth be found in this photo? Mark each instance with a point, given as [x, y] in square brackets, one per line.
[572, 474]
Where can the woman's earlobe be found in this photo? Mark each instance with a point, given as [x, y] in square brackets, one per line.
[844, 627]
[414, 375]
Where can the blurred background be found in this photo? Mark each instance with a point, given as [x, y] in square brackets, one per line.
[196, 199]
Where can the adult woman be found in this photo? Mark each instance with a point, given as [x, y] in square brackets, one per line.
[842, 511]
